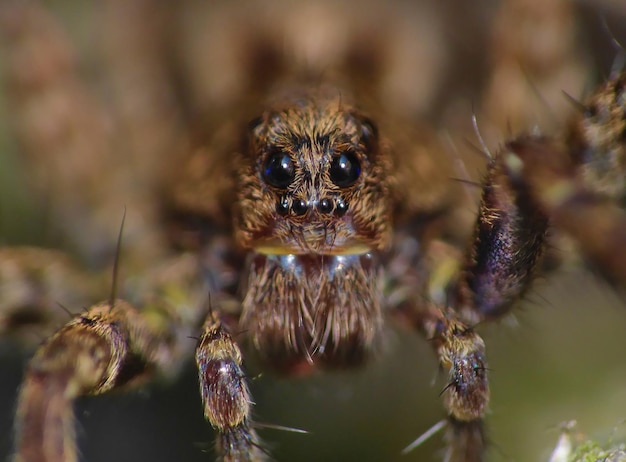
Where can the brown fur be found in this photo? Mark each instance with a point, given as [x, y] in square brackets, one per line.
[311, 128]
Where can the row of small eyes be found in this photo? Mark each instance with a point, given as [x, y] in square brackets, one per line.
[300, 207]
[279, 170]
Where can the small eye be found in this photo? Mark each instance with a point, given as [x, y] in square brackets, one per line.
[345, 169]
[278, 170]
[255, 123]
[368, 131]
[282, 206]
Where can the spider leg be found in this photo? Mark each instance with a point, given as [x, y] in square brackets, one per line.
[225, 395]
[580, 183]
[498, 268]
[535, 181]
[109, 346]
[544, 168]
[461, 351]
[509, 240]
[531, 183]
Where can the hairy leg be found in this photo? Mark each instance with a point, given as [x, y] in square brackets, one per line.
[461, 352]
[225, 395]
[533, 181]
[111, 345]
[498, 268]
[574, 185]
[105, 348]
[418, 280]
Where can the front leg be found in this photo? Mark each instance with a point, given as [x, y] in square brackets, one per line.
[107, 347]
[509, 240]
[225, 395]
[461, 352]
[466, 396]
[110, 345]
[498, 269]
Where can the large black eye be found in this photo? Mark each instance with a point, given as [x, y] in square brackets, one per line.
[345, 169]
[278, 170]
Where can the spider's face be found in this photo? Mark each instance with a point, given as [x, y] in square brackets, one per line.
[313, 181]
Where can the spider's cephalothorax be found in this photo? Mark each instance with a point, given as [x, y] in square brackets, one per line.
[314, 211]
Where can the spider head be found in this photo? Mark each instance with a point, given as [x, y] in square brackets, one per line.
[313, 180]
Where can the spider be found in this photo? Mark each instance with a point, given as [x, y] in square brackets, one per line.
[295, 185]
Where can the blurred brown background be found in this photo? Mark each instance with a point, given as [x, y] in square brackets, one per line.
[564, 358]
